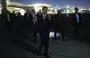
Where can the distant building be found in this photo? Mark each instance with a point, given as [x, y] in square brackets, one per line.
[38, 6]
[14, 6]
[20, 7]
[85, 11]
[17, 7]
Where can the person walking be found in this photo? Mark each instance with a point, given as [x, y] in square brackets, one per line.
[44, 31]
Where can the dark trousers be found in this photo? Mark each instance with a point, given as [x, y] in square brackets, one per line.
[76, 28]
[58, 29]
[35, 36]
[44, 37]
[34, 29]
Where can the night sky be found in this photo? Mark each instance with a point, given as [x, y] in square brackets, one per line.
[81, 3]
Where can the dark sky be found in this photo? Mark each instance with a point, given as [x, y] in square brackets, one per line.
[82, 3]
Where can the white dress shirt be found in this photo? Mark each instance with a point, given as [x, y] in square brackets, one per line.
[34, 18]
[77, 16]
[45, 16]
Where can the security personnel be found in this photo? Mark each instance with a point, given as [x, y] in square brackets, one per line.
[34, 26]
[43, 21]
[77, 19]
[28, 22]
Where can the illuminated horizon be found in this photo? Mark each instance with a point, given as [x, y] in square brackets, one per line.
[61, 3]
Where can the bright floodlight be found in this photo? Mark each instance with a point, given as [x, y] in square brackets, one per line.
[8, 1]
[67, 6]
[67, 11]
[20, 10]
[89, 8]
[0, 9]
[38, 6]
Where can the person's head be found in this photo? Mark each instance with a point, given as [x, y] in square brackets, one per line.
[44, 9]
[27, 10]
[59, 12]
[40, 11]
[76, 9]
[19, 14]
[13, 12]
[33, 11]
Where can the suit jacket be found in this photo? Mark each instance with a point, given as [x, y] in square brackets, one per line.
[43, 24]
[74, 19]
[13, 18]
[28, 19]
[59, 20]
[41, 21]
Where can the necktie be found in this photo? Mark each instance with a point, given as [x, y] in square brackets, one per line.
[44, 16]
[34, 18]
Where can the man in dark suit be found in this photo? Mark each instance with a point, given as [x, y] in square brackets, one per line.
[43, 21]
[13, 17]
[28, 22]
[34, 27]
[6, 15]
[76, 20]
[59, 24]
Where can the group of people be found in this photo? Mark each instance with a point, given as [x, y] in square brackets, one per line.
[42, 23]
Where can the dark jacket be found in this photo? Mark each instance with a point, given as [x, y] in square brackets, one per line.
[43, 24]
[74, 19]
[28, 19]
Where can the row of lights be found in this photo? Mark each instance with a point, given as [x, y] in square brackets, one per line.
[37, 7]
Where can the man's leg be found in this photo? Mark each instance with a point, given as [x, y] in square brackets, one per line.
[34, 33]
[46, 48]
[75, 30]
[46, 43]
[62, 34]
[41, 42]
[55, 35]
[35, 37]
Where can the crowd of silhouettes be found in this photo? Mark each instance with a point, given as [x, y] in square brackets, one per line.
[19, 26]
